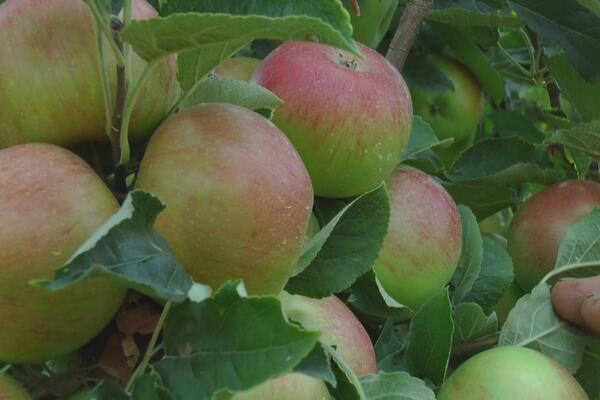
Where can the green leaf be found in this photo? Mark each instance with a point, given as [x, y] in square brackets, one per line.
[584, 137]
[471, 13]
[229, 342]
[582, 95]
[244, 94]
[533, 323]
[395, 386]
[108, 390]
[389, 348]
[318, 365]
[421, 73]
[503, 161]
[569, 25]
[430, 343]
[345, 248]
[495, 277]
[511, 123]
[590, 369]
[471, 55]
[471, 323]
[366, 297]
[593, 6]
[200, 24]
[422, 138]
[150, 387]
[348, 386]
[483, 200]
[128, 250]
[471, 257]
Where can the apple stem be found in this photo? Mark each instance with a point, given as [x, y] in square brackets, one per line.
[407, 31]
[151, 345]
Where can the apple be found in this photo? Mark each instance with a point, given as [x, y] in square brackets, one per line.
[237, 194]
[373, 22]
[540, 224]
[50, 71]
[11, 389]
[452, 113]
[292, 386]
[349, 118]
[516, 373]
[423, 244]
[240, 68]
[51, 202]
[506, 303]
[338, 326]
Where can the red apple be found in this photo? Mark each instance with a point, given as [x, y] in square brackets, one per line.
[238, 196]
[338, 326]
[50, 86]
[11, 390]
[516, 373]
[540, 224]
[240, 68]
[422, 247]
[51, 202]
[349, 118]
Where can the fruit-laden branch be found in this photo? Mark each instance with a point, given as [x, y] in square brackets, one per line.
[406, 33]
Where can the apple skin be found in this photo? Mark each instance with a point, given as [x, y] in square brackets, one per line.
[51, 89]
[11, 390]
[348, 118]
[373, 22]
[338, 326]
[453, 113]
[292, 386]
[423, 244]
[51, 202]
[238, 196]
[541, 223]
[240, 68]
[516, 373]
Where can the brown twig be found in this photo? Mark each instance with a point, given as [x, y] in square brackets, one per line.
[355, 7]
[407, 31]
[120, 170]
[466, 349]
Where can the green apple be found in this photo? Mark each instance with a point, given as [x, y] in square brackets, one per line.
[511, 373]
[338, 326]
[349, 118]
[11, 389]
[506, 303]
[374, 20]
[541, 223]
[452, 113]
[422, 247]
[50, 71]
[237, 193]
[51, 202]
[293, 386]
[240, 68]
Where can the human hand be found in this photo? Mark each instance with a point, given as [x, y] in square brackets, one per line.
[578, 301]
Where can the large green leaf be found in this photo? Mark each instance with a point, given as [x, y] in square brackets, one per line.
[584, 137]
[345, 248]
[471, 323]
[127, 249]
[422, 138]
[569, 25]
[430, 342]
[366, 296]
[483, 199]
[229, 342]
[389, 348]
[512, 123]
[471, 256]
[395, 386]
[590, 369]
[471, 13]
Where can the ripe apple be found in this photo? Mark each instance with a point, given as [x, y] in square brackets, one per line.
[292, 386]
[11, 390]
[238, 196]
[349, 118]
[452, 113]
[338, 326]
[422, 247]
[50, 71]
[541, 223]
[516, 373]
[51, 202]
[374, 20]
[240, 68]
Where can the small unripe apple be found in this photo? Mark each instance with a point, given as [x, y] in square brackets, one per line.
[238, 196]
[339, 327]
[422, 247]
[293, 386]
[240, 68]
[11, 390]
[349, 118]
[511, 373]
[51, 202]
[51, 87]
[541, 223]
[452, 113]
